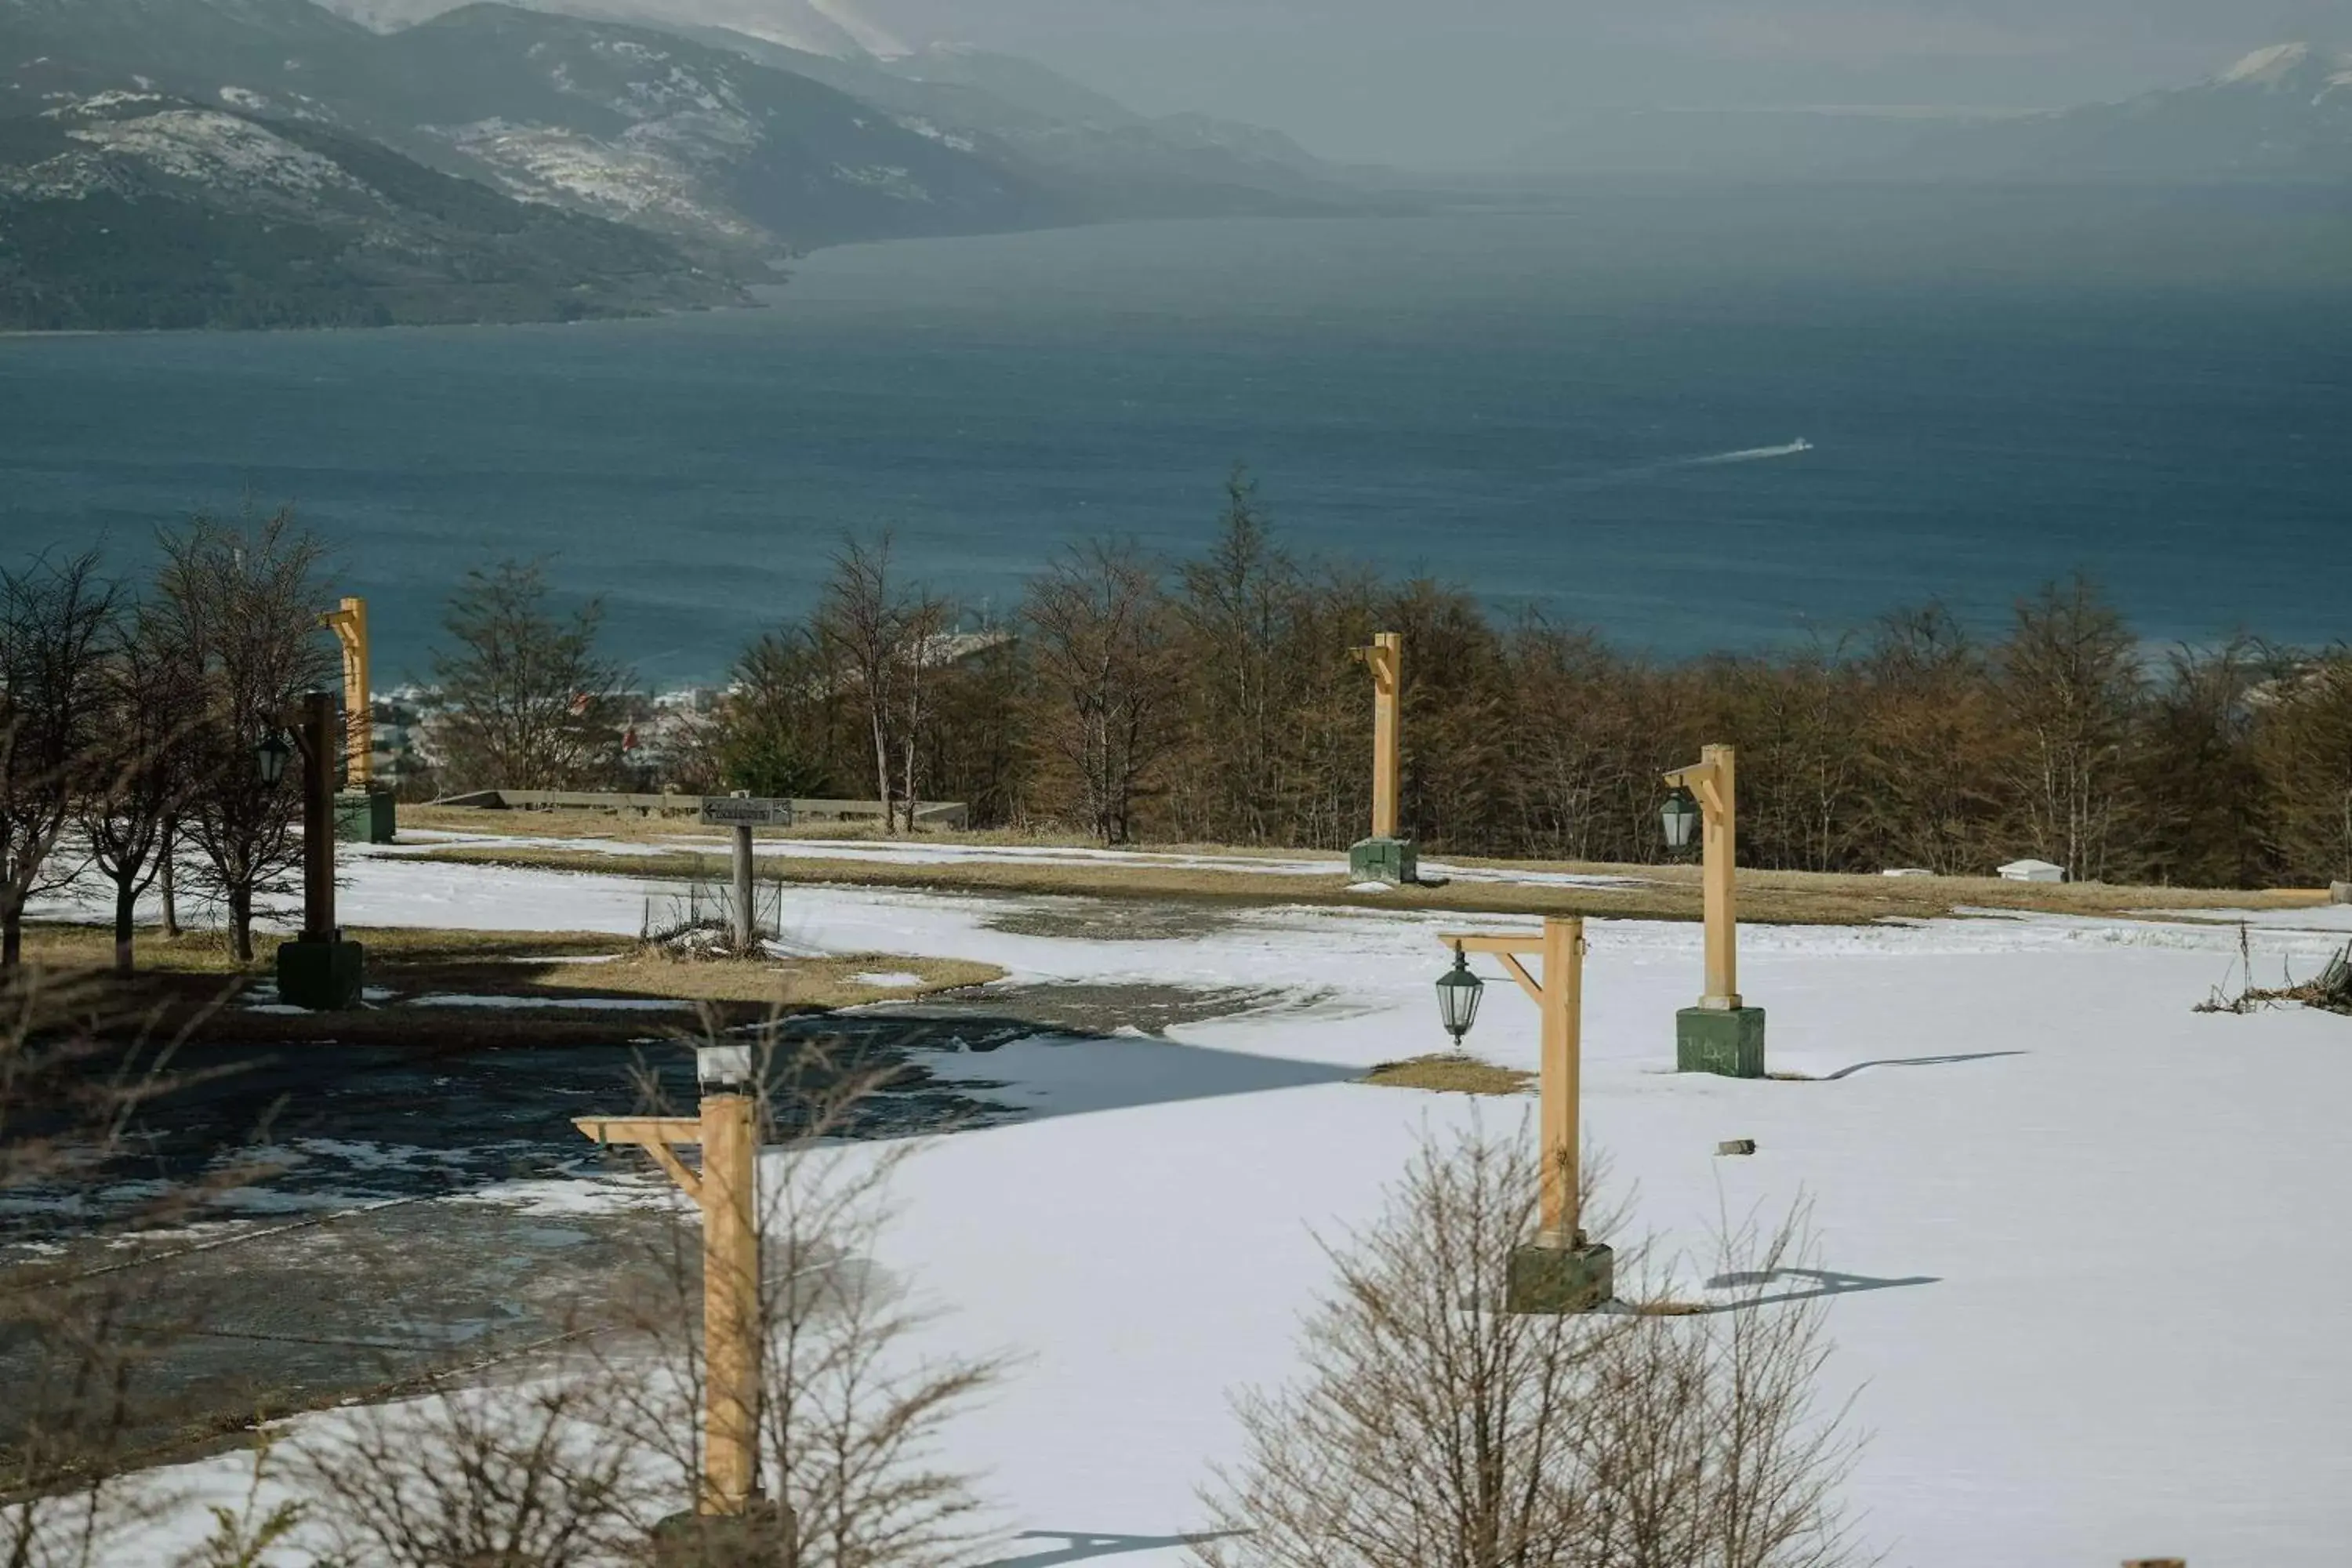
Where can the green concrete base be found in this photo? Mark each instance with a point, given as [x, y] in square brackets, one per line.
[1395, 861]
[1558, 1281]
[758, 1539]
[365, 817]
[324, 977]
[1728, 1044]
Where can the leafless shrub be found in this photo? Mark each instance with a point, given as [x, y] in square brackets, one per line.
[1433, 1428]
[499, 1477]
[2330, 990]
[246, 1536]
[78, 1338]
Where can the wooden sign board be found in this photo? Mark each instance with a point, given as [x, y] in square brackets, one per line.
[739, 811]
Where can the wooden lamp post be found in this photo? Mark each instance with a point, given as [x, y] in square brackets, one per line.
[1563, 1271]
[1386, 856]
[369, 815]
[318, 970]
[729, 1516]
[1722, 1034]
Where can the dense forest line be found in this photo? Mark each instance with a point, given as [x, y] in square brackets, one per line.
[1213, 700]
[1216, 700]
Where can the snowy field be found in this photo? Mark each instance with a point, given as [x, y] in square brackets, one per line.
[2087, 1246]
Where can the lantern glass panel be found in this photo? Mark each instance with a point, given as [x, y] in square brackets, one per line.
[1681, 818]
[271, 755]
[1458, 995]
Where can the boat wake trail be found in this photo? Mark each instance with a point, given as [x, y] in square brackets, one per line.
[1671, 466]
[1752, 455]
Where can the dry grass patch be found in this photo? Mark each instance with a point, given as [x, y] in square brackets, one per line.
[826, 982]
[1450, 1073]
[1651, 892]
[89, 947]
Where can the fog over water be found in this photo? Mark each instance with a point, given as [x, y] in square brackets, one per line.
[1419, 85]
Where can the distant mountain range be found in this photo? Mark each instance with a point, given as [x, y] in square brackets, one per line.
[263, 163]
[2282, 113]
[175, 163]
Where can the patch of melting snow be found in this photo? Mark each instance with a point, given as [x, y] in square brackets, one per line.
[888, 980]
[394, 1157]
[590, 1193]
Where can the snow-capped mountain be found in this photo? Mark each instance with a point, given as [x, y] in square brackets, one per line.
[734, 150]
[638, 126]
[2282, 112]
[136, 209]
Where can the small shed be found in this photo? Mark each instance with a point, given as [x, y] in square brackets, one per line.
[2033, 871]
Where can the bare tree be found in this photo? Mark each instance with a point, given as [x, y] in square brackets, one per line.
[242, 602]
[1238, 608]
[530, 703]
[1433, 1429]
[2069, 681]
[774, 724]
[145, 765]
[1104, 655]
[2304, 741]
[54, 621]
[883, 637]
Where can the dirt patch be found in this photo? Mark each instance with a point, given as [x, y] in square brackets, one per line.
[1113, 920]
[1085, 1009]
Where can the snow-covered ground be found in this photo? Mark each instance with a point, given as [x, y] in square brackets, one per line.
[2087, 1244]
[887, 852]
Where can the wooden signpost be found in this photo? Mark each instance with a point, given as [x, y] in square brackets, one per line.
[743, 811]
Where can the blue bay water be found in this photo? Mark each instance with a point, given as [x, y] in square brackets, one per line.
[1592, 411]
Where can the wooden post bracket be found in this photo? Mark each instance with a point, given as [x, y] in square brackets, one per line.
[660, 1136]
[1714, 780]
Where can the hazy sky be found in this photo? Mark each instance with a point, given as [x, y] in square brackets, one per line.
[1437, 81]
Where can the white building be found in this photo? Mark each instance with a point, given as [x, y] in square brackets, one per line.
[2033, 871]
